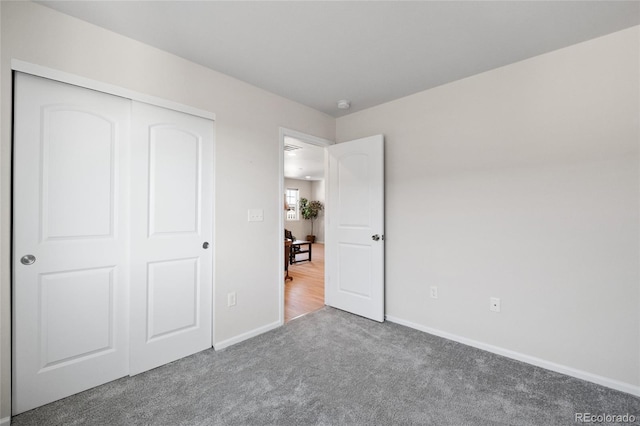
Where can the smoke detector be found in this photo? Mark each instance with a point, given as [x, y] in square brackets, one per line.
[344, 104]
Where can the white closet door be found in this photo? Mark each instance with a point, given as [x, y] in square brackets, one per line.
[171, 219]
[70, 240]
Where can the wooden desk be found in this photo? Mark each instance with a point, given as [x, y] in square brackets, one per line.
[297, 247]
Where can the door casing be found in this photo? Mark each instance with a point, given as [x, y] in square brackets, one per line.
[313, 140]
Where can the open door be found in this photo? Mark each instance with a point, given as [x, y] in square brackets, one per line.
[354, 265]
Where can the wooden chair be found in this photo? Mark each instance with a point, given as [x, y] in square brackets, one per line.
[288, 235]
[287, 259]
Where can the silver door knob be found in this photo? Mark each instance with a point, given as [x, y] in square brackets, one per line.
[205, 245]
[375, 237]
[28, 259]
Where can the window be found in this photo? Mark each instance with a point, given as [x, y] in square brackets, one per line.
[293, 196]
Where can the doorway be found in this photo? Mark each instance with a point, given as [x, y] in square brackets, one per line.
[303, 186]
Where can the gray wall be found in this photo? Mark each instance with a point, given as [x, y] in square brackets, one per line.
[521, 183]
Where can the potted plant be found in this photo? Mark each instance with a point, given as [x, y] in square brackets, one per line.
[310, 211]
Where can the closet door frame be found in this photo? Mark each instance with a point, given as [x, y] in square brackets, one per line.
[87, 83]
[76, 80]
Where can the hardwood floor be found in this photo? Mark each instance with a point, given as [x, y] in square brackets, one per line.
[305, 293]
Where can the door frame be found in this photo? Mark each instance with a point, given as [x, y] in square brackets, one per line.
[87, 83]
[312, 140]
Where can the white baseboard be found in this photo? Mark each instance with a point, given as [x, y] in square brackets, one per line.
[538, 362]
[5, 422]
[247, 335]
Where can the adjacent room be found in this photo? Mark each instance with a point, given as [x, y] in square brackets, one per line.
[457, 185]
[304, 227]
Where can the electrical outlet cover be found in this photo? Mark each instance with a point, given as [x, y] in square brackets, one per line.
[433, 292]
[494, 304]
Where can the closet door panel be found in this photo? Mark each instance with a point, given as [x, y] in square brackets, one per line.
[172, 218]
[70, 239]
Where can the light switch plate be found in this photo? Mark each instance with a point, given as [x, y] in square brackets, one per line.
[256, 215]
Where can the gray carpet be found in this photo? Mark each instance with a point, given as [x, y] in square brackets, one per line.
[333, 368]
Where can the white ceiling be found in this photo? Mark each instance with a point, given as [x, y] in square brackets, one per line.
[370, 52]
[307, 160]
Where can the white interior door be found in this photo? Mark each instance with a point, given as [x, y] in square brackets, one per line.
[172, 228]
[70, 240]
[355, 231]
